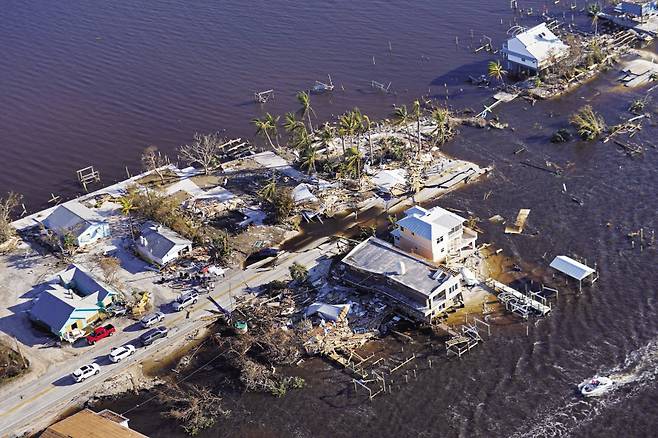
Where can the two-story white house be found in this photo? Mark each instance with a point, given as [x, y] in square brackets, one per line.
[534, 49]
[433, 234]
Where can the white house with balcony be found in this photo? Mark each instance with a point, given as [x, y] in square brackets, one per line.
[534, 49]
[433, 234]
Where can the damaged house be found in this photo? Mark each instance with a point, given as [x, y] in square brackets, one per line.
[433, 234]
[416, 287]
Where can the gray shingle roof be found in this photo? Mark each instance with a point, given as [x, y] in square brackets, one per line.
[83, 282]
[74, 217]
[376, 256]
[159, 240]
[51, 309]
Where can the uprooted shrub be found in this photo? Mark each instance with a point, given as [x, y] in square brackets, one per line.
[590, 125]
[195, 408]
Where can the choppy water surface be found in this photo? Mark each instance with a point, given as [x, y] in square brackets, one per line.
[93, 83]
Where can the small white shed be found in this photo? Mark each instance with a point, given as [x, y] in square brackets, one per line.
[573, 268]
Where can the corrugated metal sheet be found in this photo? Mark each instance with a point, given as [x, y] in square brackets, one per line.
[571, 267]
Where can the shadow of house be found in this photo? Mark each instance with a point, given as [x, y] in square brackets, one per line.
[70, 303]
[19, 326]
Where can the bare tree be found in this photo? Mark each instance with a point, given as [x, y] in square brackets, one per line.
[152, 159]
[7, 205]
[195, 408]
[204, 150]
[110, 267]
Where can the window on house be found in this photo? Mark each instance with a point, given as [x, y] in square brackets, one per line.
[413, 234]
[439, 240]
[402, 229]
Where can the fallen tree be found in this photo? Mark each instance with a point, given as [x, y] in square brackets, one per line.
[195, 408]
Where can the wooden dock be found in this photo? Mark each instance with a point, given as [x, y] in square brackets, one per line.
[522, 301]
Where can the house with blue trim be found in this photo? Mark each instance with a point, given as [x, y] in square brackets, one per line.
[534, 49]
[74, 219]
[71, 303]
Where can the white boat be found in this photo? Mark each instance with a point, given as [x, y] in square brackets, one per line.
[596, 386]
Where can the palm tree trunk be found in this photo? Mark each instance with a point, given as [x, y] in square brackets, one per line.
[310, 125]
[269, 139]
[370, 144]
[419, 142]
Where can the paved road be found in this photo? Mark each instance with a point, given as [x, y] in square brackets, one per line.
[51, 392]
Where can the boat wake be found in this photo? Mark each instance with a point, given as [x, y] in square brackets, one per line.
[638, 371]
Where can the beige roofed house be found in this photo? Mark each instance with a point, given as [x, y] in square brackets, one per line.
[90, 424]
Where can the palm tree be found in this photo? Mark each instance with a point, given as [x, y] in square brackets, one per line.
[356, 123]
[496, 71]
[353, 162]
[127, 206]
[367, 125]
[291, 124]
[345, 128]
[327, 134]
[305, 101]
[301, 140]
[443, 131]
[401, 117]
[309, 159]
[268, 192]
[265, 126]
[417, 112]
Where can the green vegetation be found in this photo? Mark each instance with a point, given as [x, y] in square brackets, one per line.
[443, 130]
[266, 127]
[7, 205]
[298, 272]
[496, 71]
[12, 363]
[588, 123]
[162, 209]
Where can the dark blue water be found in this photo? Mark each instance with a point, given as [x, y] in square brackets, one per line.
[95, 82]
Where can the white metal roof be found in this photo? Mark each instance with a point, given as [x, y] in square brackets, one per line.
[387, 180]
[571, 267]
[541, 42]
[431, 223]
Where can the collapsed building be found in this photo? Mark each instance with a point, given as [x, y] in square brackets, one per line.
[414, 286]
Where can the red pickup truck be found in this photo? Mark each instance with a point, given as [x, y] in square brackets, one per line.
[100, 333]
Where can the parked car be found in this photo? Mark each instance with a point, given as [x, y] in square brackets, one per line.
[85, 372]
[152, 319]
[152, 335]
[117, 310]
[185, 300]
[118, 353]
[100, 333]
